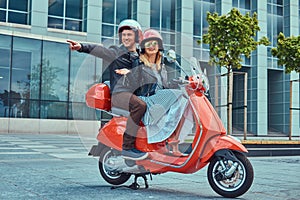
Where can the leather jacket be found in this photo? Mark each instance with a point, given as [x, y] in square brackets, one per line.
[149, 81]
[118, 57]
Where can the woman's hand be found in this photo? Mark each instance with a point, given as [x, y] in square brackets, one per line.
[123, 71]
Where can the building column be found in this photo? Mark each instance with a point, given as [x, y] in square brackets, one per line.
[39, 17]
[294, 30]
[187, 23]
[143, 13]
[94, 20]
[262, 73]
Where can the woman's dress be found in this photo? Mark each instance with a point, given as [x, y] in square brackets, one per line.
[165, 109]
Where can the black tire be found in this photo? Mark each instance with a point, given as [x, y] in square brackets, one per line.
[240, 181]
[110, 177]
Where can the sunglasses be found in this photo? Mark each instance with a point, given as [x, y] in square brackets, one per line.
[151, 43]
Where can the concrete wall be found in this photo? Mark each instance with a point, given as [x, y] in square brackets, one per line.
[40, 126]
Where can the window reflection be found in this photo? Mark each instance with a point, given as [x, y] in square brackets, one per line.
[55, 71]
[5, 46]
[26, 75]
[39, 83]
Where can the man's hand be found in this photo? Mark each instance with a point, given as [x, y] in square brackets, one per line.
[123, 71]
[74, 45]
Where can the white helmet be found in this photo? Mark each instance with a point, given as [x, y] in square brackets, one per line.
[130, 24]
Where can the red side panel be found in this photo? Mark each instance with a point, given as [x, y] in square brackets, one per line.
[111, 134]
[98, 96]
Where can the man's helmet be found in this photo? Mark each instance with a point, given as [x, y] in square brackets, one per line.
[151, 34]
[130, 24]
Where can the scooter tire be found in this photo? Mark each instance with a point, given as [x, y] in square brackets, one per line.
[112, 178]
[226, 188]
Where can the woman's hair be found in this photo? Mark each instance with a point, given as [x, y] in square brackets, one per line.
[145, 59]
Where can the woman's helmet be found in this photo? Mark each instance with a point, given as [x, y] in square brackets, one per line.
[151, 34]
[130, 24]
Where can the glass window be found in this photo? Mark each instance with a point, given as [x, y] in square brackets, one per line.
[155, 14]
[123, 10]
[113, 12]
[163, 18]
[275, 26]
[74, 9]
[55, 71]
[243, 5]
[108, 30]
[67, 14]
[2, 16]
[54, 85]
[19, 18]
[163, 14]
[38, 80]
[25, 79]
[56, 7]
[18, 5]
[201, 8]
[5, 46]
[168, 14]
[3, 4]
[84, 72]
[15, 11]
[108, 11]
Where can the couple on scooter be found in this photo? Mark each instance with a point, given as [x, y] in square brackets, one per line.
[135, 81]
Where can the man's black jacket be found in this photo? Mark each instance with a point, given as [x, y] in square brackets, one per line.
[118, 57]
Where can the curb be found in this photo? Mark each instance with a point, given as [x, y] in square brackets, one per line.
[270, 142]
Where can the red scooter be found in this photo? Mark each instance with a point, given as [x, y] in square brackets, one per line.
[229, 172]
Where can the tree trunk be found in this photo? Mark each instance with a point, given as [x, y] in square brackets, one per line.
[229, 100]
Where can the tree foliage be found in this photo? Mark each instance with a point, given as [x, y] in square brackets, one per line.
[288, 52]
[231, 36]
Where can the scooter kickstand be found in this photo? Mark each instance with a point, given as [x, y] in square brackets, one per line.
[135, 185]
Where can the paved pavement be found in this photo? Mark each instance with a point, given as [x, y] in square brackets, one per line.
[57, 167]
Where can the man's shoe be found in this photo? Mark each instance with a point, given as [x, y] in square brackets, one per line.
[134, 154]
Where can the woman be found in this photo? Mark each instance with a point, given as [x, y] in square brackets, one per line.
[165, 107]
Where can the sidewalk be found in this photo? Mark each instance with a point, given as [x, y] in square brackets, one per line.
[272, 146]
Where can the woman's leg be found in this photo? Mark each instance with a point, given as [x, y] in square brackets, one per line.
[173, 139]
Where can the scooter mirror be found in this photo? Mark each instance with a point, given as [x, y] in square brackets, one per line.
[171, 56]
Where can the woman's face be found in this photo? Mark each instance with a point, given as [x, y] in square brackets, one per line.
[151, 47]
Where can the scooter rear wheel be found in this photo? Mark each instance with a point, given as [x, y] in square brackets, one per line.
[109, 176]
[235, 185]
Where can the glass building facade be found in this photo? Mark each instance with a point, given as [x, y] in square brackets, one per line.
[41, 79]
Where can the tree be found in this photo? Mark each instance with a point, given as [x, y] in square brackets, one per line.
[288, 52]
[230, 37]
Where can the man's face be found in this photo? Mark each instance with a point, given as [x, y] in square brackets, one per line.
[128, 39]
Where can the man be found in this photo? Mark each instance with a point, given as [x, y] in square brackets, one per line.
[120, 57]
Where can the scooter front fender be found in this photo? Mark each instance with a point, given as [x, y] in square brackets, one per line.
[221, 142]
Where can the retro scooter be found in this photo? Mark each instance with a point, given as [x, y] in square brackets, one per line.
[229, 172]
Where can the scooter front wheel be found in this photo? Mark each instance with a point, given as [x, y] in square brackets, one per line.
[110, 175]
[230, 184]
